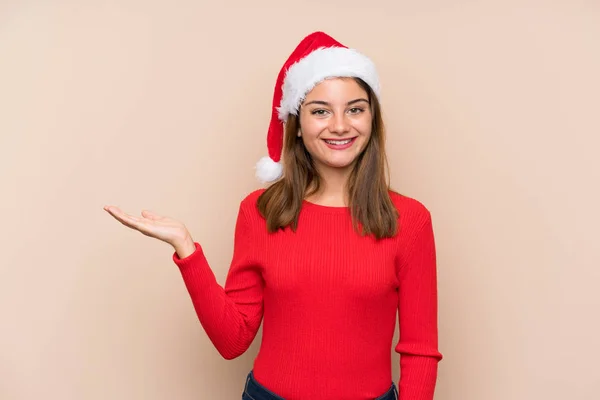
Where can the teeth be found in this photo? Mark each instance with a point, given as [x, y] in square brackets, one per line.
[338, 142]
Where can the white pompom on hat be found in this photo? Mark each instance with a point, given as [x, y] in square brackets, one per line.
[317, 57]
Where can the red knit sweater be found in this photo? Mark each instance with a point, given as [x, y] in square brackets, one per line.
[329, 300]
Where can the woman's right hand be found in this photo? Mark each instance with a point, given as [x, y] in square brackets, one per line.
[163, 228]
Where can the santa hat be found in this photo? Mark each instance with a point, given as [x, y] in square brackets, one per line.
[317, 57]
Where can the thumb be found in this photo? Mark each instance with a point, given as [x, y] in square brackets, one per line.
[150, 215]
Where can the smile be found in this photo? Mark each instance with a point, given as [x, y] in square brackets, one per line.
[339, 144]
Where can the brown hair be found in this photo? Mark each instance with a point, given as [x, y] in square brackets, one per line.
[367, 188]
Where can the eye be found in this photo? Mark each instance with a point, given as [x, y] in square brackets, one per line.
[356, 110]
[318, 112]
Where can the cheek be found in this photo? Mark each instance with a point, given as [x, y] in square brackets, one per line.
[363, 127]
[312, 128]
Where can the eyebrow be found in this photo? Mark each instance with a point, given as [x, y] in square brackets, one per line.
[324, 103]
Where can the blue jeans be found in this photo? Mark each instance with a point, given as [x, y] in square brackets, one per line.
[255, 391]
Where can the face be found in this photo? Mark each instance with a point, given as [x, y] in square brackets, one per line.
[335, 123]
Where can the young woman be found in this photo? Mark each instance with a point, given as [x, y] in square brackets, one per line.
[327, 255]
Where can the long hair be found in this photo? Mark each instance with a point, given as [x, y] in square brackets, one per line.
[371, 208]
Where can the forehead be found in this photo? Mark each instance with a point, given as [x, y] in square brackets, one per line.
[336, 88]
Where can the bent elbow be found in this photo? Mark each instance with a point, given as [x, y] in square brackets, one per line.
[232, 353]
[230, 350]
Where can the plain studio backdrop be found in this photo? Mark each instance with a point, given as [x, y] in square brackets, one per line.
[492, 110]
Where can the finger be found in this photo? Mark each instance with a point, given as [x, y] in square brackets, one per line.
[124, 218]
[114, 211]
[151, 215]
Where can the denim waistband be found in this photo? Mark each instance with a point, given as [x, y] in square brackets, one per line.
[255, 391]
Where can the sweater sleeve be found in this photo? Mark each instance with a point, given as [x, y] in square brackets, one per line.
[417, 309]
[230, 315]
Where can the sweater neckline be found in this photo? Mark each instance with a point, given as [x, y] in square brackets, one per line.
[323, 208]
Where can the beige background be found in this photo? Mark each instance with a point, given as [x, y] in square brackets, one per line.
[493, 116]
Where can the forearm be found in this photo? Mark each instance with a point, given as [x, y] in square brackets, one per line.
[418, 377]
[230, 316]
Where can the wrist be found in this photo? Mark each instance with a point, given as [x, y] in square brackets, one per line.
[185, 247]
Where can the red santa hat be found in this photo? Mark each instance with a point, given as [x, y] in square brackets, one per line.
[317, 57]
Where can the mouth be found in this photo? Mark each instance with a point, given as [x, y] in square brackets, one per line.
[339, 144]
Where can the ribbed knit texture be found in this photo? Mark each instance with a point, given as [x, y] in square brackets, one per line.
[328, 298]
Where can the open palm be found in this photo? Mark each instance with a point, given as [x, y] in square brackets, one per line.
[150, 224]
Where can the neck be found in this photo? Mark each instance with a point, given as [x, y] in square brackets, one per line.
[332, 191]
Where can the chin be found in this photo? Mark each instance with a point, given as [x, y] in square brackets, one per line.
[339, 164]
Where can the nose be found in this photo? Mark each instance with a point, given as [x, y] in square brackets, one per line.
[339, 124]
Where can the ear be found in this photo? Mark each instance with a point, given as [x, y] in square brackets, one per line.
[299, 133]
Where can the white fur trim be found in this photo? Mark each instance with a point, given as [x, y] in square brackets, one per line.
[268, 170]
[323, 63]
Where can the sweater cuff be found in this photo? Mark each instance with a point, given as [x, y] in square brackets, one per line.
[189, 260]
[194, 268]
